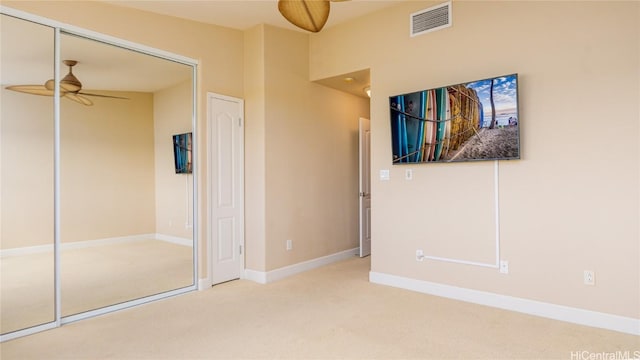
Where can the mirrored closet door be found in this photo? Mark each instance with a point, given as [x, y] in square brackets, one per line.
[125, 204]
[27, 293]
[126, 224]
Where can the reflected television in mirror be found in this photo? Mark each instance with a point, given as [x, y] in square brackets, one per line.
[182, 153]
[472, 121]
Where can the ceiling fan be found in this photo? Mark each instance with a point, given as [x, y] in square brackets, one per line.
[70, 87]
[310, 15]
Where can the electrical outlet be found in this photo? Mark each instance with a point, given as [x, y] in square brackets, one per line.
[408, 174]
[289, 245]
[589, 277]
[504, 267]
[419, 255]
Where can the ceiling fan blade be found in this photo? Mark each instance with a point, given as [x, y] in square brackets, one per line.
[310, 15]
[70, 88]
[78, 98]
[31, 89]
[63, 86]
[104, 96]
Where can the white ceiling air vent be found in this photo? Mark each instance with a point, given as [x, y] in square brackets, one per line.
[431, 19]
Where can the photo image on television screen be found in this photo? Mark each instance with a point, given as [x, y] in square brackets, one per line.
[478, 120]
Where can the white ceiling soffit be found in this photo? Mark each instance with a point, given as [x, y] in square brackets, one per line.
[354, 82]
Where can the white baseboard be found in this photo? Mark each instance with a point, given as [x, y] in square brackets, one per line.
[552, 311]
[255, 276]
[283, 272]
[27, 250]
[174, 240]
[204, 284]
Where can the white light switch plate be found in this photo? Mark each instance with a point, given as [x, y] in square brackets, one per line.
[384, 175]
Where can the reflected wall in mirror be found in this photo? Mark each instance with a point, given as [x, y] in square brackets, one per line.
[126, 227]
[126, 218]
[27, 295]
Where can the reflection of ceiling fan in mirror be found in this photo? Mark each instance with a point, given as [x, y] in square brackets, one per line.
[310, 15]
[70, 88]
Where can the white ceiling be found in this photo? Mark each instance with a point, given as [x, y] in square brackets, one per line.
[244, 14]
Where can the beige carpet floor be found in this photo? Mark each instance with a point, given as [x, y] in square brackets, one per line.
[91, 278]
[328, 313]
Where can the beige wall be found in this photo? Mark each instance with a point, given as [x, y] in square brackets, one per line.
[301, 155]
[173, 192]
[255, 148]
[311, 152]
[26, 170]
[571, 203]
[107, 169]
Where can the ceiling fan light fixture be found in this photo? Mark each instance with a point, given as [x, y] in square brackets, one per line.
[70, 83]
[310, 15]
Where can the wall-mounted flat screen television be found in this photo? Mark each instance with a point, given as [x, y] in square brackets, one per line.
[182, 153]
[478, 120]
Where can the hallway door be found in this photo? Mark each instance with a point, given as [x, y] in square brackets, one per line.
[365, 186]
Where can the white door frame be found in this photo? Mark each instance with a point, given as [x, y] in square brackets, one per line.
[208, 282]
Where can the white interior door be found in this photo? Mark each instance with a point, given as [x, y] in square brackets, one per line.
[365, 186]
[225, 187]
